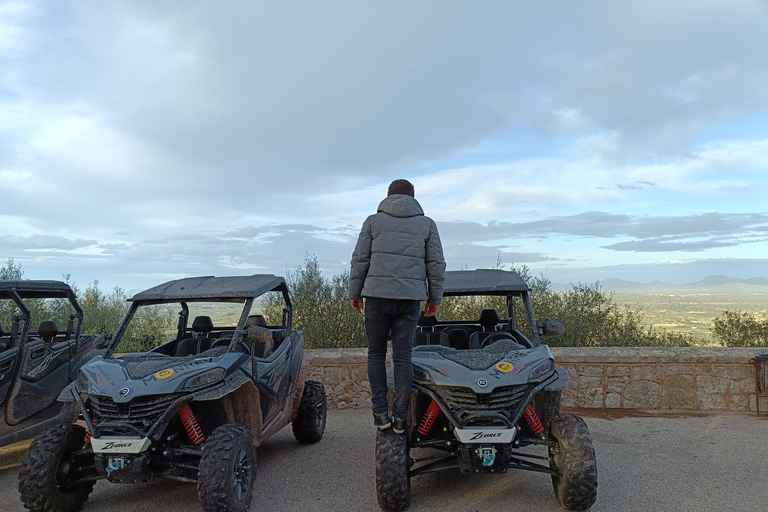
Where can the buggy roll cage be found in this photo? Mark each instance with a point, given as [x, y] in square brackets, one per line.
[17, 291]
[494, 282]
[240, 290]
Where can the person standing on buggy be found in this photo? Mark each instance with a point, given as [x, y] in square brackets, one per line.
[398, 262]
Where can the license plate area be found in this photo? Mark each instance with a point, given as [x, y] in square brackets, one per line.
[120, 444]
[485, 435]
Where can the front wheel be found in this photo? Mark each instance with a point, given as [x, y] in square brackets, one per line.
[49, 473]
[573, 458]
[309, 425]
[393, 486]
[227, 470]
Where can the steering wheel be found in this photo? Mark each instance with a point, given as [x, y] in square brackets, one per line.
[221, 341]
[496, 336]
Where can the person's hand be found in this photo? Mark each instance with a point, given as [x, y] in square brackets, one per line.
[430, 309]
[357, 305]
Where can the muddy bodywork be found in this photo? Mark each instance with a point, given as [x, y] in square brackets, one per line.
[148, 414]
[483, 385]
[36, 363]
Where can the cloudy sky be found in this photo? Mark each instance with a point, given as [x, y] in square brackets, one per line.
[143, 141]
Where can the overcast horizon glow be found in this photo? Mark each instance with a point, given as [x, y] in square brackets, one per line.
[145, 141]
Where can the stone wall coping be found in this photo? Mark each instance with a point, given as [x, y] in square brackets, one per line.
[335, 356]
[639, 355]
[626, 355]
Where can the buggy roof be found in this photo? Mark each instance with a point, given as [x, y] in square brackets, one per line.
[483, 282]
[212, 288]
[37, 289]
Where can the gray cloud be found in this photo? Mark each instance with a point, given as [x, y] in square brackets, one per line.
[307, 96]
[608, 225]
[463, 255]
[43, 243]
[666, 245]
[180, 138]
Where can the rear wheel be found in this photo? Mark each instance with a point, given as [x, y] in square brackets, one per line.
[309, 425]
[393, 486]
[227, 470]
[47, 480]
[574, 459]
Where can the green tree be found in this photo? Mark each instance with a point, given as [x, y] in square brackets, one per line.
[741, 329]
[320, 308]
[102, 312]
[150, 327]
[10, 271]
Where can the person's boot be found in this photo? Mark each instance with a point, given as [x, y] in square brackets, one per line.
[398, 425]
[382, 420]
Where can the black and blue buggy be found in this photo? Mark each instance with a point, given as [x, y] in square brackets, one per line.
[191, 409]
[39, 356]
[486, 398]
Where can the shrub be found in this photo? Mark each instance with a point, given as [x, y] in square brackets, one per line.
[101, 313]
[589, 314]
[320, 308]
[741, 329]
[150, 327]
[592, 318]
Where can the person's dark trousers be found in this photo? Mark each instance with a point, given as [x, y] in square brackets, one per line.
[399, 316]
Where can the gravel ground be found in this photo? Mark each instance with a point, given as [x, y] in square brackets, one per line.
[645, 463]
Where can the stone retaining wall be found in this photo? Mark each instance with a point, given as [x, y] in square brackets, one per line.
[697, 379]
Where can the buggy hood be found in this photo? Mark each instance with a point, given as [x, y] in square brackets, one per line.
[501, 364]
[125, 378]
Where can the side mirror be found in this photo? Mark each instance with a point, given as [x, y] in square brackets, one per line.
[550, 327]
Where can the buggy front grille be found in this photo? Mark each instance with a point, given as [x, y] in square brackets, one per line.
[140, 412]
[464, 402]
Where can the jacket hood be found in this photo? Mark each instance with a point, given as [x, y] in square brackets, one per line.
[400, 205]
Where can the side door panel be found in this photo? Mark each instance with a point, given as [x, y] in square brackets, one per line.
[7, 365]
[43, 374]
[272, 377]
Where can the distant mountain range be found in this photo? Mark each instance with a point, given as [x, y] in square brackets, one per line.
[620, 285]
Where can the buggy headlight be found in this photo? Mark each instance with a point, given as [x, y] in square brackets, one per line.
[420, 374]
[82, 381]
[204, 379]
[542, 369]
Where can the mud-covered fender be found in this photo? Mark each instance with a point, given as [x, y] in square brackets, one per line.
[561, 382]
[242, 404]
[66, 393]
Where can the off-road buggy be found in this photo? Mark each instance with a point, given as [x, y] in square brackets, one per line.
[35, 365]
[486, 395]
[192, 409]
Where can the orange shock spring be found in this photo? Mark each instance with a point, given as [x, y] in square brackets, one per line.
[433, 411]
[88, 432]
[190, 424]
[533, 420]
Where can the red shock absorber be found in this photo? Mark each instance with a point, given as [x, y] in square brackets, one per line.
[88, 432]
[190, 424]
[533, 420]
[433, 411]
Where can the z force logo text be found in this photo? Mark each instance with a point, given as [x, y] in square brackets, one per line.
[476, 436]
[485, 435]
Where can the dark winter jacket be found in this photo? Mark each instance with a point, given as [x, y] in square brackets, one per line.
[398, 254]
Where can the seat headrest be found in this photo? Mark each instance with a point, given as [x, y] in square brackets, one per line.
[202, 324]
[489, 317]
[427, 321]
[257, 320]
[258, 334]
[48, 329]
